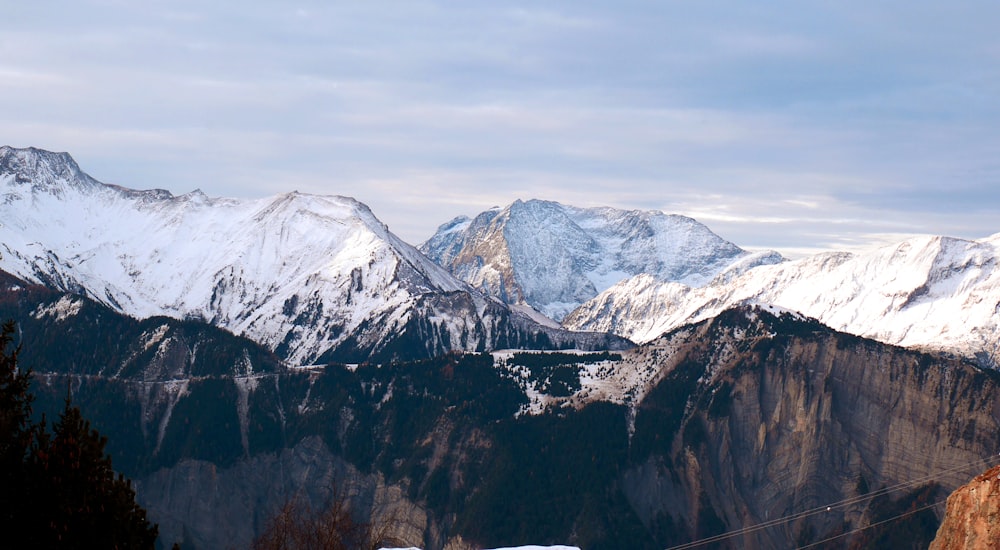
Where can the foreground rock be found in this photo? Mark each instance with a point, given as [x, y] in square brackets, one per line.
[972, 520]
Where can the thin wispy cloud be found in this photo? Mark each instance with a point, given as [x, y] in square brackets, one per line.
[783, 125]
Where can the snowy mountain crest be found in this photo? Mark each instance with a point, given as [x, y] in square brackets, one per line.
[42, 170]
[935, 293]
[301, 274]
[554, 257]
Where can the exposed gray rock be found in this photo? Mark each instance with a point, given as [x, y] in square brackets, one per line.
[202, 505]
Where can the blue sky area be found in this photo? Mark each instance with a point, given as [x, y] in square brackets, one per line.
[798, 126]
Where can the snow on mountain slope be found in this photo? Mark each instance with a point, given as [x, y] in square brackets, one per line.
[298, 273]
[930, 292]
[626, 377]
[555, 257]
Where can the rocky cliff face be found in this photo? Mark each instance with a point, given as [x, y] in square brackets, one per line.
[204, 506]
[972, 519]
[773, 417]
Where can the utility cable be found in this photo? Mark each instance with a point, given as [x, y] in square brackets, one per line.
[876, 524]
[832, 506]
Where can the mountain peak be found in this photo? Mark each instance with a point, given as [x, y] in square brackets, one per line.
[554, 257]
[930, 292]
[308, 276]
[44, 170]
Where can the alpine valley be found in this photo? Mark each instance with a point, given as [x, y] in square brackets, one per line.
[242, 354]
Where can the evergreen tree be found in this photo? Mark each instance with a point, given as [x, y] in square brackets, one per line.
[60, 488]
[16, 433]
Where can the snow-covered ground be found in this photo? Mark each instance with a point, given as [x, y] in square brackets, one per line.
[529, 547]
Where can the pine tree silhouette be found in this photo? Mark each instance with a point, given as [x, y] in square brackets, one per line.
[16, 433]
[60, 488]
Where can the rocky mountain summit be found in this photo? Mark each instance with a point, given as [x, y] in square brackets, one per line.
[554, 257]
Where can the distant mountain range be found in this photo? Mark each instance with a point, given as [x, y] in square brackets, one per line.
[934, 293]
[312, 278]
[317, 278]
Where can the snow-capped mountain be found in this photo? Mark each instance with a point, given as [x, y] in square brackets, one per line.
[307, 276]
[554, 257]
[929, 292]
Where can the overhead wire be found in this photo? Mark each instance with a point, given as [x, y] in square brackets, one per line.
[836, 505]
[876, 524]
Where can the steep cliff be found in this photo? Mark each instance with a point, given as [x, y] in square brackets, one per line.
[769, 417]
[972, 520]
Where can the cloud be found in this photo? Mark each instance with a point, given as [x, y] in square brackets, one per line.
[781, 125]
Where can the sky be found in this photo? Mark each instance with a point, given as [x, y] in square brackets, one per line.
[789, 125]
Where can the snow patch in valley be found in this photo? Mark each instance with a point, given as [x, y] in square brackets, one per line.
[528, 547]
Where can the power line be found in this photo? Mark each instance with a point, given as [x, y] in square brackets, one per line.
[876, 524]
[832, 506]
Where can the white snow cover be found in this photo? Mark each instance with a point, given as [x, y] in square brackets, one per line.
[65, 308]
[554, 257]
[623, 381]
[264, 268]
[929, 292]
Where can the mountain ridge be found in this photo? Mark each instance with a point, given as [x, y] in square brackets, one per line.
[931, 292]
[301, 274]
[554, 257]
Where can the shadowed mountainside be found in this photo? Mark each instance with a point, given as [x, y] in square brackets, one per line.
[745, 418]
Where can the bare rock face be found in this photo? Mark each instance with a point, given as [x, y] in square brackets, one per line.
[202, 505]
[785, 419]
[972, 520]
